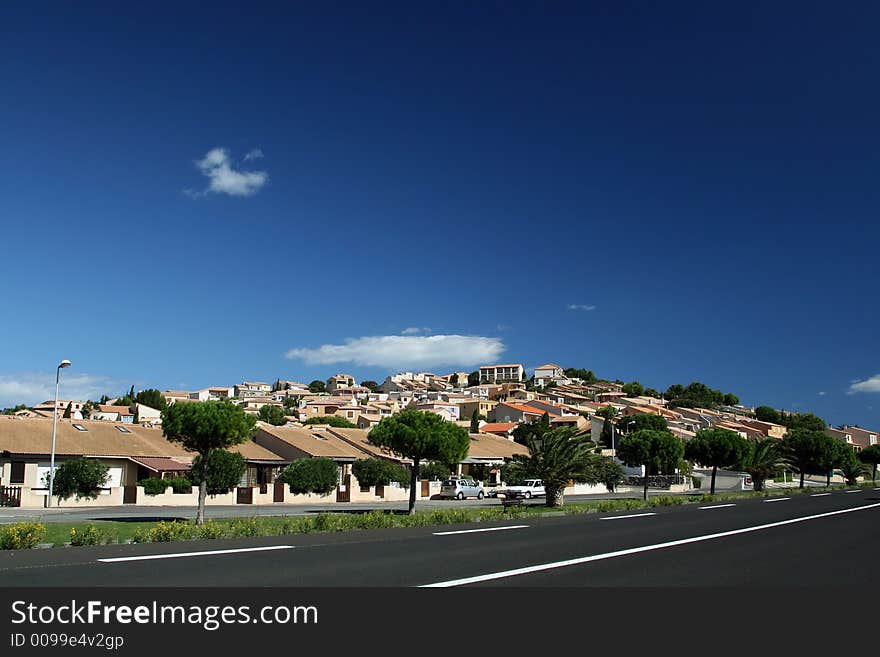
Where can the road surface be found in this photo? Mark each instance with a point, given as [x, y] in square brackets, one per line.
[823, 540]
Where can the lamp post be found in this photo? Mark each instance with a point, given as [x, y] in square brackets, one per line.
[61, 365]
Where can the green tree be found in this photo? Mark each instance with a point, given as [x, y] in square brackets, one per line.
[871, 456]
[225, 470]
[805, 421]
[273, 415]
[80, 478]
[659, 451]
[204, 426]
[633, 389]
[557, 456]
[651, 392]
[474, 378]
[609, 472]
[641, 422]
[434, 471]
[289, 403]
[762, 459]
[331, 420]
[68, 410]
[767, 414]
[804, 451]
[832, 454]
[311, 475]
[851, 467]
[730, 399]
[420, 436]
[475, 421]
[317, 386]
[15, 409]
[675, 391]
[607, 413]
[379, 472]
[152, 398]
[371, 385]
[715, 448]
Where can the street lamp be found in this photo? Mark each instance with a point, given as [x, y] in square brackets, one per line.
[61, 365]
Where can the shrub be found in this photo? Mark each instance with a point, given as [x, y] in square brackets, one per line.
[434, 471]
[153, 485]
[666, 500]
[88, 535]
[80, 478]
[696, 482]
[21, 535]
[165, 532]
[245, 527]
[312, 475]
[330, 522]
[379, 472]
[210, 529]
[180, 485]
[301, 525]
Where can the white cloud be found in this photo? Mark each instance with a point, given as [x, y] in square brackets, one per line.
[868, 385]
[217, 166]
[822, 393]
[35, 387]
[580, 306]
[415, 330]
[254, 154]
[405, 351]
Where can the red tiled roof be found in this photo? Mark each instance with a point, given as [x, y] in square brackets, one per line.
[491, 427]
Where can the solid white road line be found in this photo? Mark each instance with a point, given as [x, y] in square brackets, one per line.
[633, 515]
[206, 553]
[645, 548]
[474, 531]
[819, 494]
[777, 499]
[852, 491]
[716, 506]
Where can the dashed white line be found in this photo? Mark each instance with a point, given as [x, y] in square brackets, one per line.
[474, 531]
[205, 553]
[819, 494]
[716, 506]
[852, 491]
[632, 515]
[778, 499]
[645, 548]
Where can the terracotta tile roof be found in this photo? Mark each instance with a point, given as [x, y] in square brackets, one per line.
[123, 410]
[315, 442]
[487, 445]
[492, 427]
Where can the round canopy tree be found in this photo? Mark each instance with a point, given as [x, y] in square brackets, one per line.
[871, 456]
[79, 478]
[659, 451]
[420, 436]
[205, 426]
[715, 448]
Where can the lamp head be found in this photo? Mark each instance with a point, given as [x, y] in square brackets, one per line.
[64, 363]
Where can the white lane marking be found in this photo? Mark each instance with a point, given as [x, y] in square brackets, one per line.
[474, 531]
[819, 494]
[645, 548]
[778, 499]
[852, 491]
[717, 506]
[205, 553]
[632, 515]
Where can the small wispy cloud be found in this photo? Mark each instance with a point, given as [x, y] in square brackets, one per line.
[580, 306]
[415, 330]
[822, 393]
[868, 385]
[404, 351]
[254, 154]
[217, 166]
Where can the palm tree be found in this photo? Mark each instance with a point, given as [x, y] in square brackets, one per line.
[557, 456]
[852, 469]
[762, 459]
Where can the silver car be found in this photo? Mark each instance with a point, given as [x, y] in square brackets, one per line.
[461, 488]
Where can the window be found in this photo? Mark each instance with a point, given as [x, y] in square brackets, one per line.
[79, 427]
[17, 474]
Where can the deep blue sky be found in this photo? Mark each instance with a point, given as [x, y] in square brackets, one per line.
[705, 177]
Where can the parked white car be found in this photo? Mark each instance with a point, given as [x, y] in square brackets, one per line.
[526, 489]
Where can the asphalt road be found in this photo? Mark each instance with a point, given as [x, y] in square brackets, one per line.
[824, 541]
